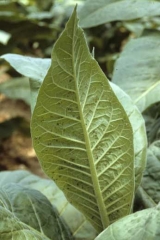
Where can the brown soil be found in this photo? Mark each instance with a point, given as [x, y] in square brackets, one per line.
[16, 151]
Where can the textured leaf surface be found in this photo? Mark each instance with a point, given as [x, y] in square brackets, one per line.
[139, 132]
[151, 178]
[81, 133]
[142, 225]
[136, 120]
[12, 228]
[33, 208]
[81, 229]
[94, 12]
[137, 70]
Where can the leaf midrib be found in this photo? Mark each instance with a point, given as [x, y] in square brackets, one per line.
[96, 187]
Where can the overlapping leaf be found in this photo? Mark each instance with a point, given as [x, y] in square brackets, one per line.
[139, 132]
[12, 228]
[141, 225]
[82, 134]
[17, 88]
[33, 68]
[32, 208]
[136, 119]
[151, 179]
[94, 12]
[28, 66]
[137, 70]
[80, 228]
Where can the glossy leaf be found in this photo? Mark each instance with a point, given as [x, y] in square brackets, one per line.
[137, 70]
[142, 225]
[94, 12]
[81, 133]
[81, 229]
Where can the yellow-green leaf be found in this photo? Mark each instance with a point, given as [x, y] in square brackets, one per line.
[81, 133]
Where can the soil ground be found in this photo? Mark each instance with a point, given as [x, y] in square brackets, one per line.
[16, 151]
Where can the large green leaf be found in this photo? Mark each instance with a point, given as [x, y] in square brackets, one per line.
[33, 208]
[133, 113]
[81, 133]
[137, 70]
[81, 229]
[151, 178]
[12, 228]
[94, 12]
[142, 225]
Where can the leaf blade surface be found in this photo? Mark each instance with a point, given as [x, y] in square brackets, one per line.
[82, 134]
[94, 13]
[33, 209]
[137, 70]
[135, 117]
[141, 225]
[151, 178]
[80, 228]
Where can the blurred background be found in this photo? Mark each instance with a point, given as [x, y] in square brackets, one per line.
[30, 28]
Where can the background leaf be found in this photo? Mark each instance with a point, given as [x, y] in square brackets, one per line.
[33, 68]
[28, 66]
[139, 132]
[12, 228]
[142, 200]
[152, 121]
[137, 70]
[151, 178]
[82, 134]
[94, 13]
[141, 225]
[33, 209]
[17, 88]
[80, 228]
